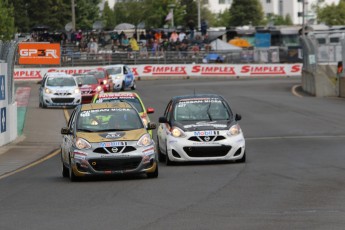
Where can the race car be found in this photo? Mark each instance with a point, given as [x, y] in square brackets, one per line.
[103, 78]
[130, 97]
[200, 127]
[58, 90]
[121, 76]
[107, 139]
[89, 86]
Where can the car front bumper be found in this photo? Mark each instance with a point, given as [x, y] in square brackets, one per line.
[65, 100]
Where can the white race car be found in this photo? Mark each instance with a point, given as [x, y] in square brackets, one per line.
[200, 127]
[58, 89]
[122, 77]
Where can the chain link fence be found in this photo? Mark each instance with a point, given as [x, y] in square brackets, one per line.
[8, 51]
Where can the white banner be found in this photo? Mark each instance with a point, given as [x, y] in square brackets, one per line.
[178, 70]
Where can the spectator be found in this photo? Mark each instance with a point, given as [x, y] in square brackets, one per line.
[158, 36]
[191, 26]
[133, 43]
[173, 36]
[124, 43]
[203, 28]
[115, 38]
[78, 37]
[142, 38]
[182, 35]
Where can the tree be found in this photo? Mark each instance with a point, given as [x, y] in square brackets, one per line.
[332, 14]
[21, 19]
[7, 29]
[108, 17]
[246, 12]
[87, 12]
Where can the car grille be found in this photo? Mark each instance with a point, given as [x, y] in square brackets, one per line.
[206, 138]
[117, 149]
[87, 92]
[207, 151]
[115, 164]
[62, 100]
[62, 94]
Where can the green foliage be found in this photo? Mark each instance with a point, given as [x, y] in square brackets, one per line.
[108, 17]
[279, 20]
[87, 12]
[332, 14]
[7, 29]
[246, 12]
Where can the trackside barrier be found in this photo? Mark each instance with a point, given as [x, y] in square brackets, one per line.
[178, 70]
[8, 111]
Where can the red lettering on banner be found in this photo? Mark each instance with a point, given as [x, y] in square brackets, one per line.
[295, 69]
[27, 74]
[214, 70]
[164, 70]
[135, 71]
[268, 70]
[69, 71]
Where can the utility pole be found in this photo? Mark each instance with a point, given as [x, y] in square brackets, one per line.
[199, 17]
[73, 15]
[303, 18]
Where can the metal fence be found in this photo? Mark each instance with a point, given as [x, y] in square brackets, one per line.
[8, 51]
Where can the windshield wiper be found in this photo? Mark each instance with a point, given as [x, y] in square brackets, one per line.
[208, 112]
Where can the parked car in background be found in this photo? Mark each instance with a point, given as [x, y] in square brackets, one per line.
[200, 127]
[122, 77]
[130, 97]
[89, 86]
[107, 139]
[103, 77]
[58, 90]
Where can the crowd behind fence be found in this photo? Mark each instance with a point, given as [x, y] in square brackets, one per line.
[8, 51]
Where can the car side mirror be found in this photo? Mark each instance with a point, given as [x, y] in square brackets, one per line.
[151, 125]
[66, 131]
[162, 120]
[238, 117]
[150, 110]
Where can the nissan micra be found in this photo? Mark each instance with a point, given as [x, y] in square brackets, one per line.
[200, 127]
[105, 139]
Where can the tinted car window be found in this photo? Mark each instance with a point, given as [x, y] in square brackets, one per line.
[87, 80]
[98, 74]
[61, 81]
[108, 119]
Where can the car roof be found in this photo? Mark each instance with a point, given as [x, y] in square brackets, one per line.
[57, 74]
[106, 105]
[112, 66]
[196, 96]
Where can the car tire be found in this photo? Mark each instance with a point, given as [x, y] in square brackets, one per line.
[161, 157]
[123, 86]
[134, 86]
[153, 174]
[65, 171]
[168, 162]
[243, 159]
[71, 174]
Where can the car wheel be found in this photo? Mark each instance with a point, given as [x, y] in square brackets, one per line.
[123, 86]
[168, 162]
[134, 86]
[243, 159]
[160, 154]
[153, 174]
[65, 171]
[72, 176]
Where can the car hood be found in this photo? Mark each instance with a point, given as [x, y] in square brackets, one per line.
[203, 125]
[131, 135]
[88, 87]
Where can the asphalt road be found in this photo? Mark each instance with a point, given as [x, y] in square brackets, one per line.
[293, 178]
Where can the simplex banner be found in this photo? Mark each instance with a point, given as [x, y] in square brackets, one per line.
[178, 70]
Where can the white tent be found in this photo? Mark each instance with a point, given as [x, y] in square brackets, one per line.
[221, 45]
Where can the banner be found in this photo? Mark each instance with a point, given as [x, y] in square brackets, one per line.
[178, 70]
[39, 53]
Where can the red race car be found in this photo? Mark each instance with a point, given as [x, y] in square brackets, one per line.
[103, 77]
[89, 86]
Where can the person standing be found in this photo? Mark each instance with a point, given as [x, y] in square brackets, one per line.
[203, 28]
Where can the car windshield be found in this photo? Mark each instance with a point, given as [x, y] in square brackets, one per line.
[61, 81]
[114, 70]
[133, 100]
[196, 109]
[110, 119]
[87, 80]
[97, 74]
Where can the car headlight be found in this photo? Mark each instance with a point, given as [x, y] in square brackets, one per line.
[48, 91]
[81, 143]
[234, 130]
[76, 90]
[99, 88]
[118, 77]
[177, 132]
[145, 140]
[105, 82]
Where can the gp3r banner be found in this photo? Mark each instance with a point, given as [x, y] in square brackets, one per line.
[39, 53]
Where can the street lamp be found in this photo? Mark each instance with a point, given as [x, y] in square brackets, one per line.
[171, 7]
[73, 15]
